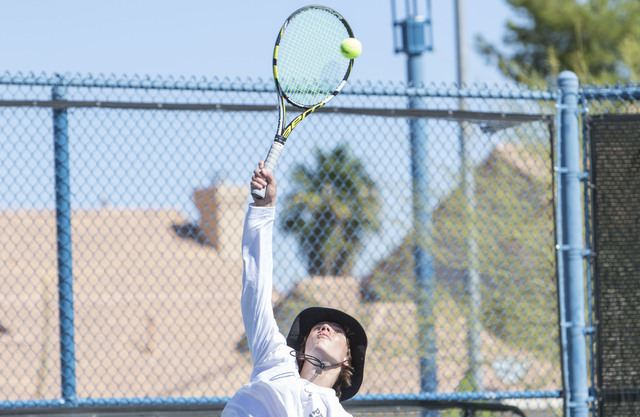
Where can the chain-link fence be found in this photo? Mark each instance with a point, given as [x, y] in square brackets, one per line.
[456, 286]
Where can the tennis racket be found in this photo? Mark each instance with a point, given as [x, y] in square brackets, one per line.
[308, 69]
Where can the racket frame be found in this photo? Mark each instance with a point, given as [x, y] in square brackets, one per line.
[282, 133]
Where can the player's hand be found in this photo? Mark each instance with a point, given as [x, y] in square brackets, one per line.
[264, 178]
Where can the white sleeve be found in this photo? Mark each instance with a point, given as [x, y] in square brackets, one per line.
[257, 284]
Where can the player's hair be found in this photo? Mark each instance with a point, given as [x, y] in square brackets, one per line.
[346, 371]
[344, 379]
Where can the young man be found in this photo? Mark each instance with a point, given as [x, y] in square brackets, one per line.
[319, 364]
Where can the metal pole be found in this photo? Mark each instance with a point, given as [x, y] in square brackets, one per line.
[422, 226]
[63, 224]
[468, 185]
[415, 40]
[572, 247]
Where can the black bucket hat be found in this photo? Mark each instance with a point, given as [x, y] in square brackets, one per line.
[356, 336]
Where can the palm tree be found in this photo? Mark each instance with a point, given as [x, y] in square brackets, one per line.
[333, 206]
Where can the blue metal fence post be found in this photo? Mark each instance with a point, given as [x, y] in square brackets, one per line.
[423, 230]
[416, 38]
[63, 230]
[572, 248]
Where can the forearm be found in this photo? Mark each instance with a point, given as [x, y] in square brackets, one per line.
[257, 281]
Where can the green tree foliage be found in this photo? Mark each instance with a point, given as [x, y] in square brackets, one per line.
[599, 40]
[333, 206]
[513, 220]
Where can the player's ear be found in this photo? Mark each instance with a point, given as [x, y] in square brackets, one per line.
[347, 359]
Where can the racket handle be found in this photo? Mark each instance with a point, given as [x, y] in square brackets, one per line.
[270, 164]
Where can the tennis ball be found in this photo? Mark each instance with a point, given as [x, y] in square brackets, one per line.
[351, 48]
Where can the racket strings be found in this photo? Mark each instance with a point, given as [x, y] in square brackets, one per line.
[309, 63]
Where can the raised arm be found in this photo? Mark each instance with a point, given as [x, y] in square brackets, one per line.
[257, 283]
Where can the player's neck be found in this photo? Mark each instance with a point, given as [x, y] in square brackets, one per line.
[322, 377]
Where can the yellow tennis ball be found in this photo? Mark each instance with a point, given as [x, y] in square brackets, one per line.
[351, 48]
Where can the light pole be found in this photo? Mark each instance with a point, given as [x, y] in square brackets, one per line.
[467, 184]
[413, 36]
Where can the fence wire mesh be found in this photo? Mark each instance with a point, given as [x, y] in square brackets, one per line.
[158, 182]
[611, 144]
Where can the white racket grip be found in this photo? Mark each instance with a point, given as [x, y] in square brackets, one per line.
[270, 164]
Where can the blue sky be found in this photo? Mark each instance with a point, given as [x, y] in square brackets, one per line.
[211, 38]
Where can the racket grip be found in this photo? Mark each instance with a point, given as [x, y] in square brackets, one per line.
[270, 164]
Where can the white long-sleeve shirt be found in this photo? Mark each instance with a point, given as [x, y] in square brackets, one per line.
[275, 388]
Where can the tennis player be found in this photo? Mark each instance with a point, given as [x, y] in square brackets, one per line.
[319, 364]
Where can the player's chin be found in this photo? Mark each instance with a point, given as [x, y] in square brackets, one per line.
[326, 349]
